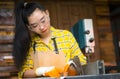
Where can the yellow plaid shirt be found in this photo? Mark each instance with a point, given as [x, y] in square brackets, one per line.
[66, 43]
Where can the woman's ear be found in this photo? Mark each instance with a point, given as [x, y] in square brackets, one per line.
[47, 12]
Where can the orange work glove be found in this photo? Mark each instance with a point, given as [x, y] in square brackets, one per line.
[52, 73]
[69, 69]
[67, 65]
[47, 71]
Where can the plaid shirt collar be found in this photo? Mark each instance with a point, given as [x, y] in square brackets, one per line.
[37, 38]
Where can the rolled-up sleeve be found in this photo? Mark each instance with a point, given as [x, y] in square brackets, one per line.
[28, 64]
[75, 49]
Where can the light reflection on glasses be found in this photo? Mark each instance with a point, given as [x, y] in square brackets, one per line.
[40, 23]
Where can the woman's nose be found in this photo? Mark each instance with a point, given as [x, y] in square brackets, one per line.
[41, 27]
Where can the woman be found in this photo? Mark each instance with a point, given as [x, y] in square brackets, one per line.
[33, 32]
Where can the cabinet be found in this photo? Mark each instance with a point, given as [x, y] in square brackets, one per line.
[6, 39]
[7, 67]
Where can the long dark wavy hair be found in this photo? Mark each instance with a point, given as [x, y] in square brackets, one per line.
[22, 38]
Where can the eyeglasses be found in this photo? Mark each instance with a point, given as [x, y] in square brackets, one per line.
[40, 23]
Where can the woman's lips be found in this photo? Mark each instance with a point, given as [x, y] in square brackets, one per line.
[44, 30]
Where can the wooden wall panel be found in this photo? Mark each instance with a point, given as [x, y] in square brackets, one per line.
[107, 51]
[70, 13]
[63, 15]
[51, 7]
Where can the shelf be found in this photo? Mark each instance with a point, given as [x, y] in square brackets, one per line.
[8, 71]
[104, 29]
[6, 41]
[7, 68]
[5, 51]
[7, 26]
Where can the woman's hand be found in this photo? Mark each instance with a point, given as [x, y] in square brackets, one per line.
[50, 71]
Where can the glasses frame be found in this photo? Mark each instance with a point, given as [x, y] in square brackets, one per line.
[40, 23]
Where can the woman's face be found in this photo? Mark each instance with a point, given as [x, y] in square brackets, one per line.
[39, 22]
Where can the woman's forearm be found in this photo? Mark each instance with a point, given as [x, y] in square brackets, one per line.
[29, 73]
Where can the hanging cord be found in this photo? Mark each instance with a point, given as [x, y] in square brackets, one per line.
[55, 45]
[34, 45]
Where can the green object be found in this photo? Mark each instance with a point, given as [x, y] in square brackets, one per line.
[78, 31]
